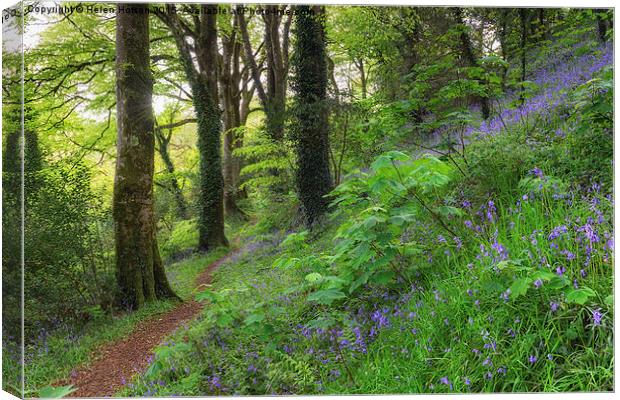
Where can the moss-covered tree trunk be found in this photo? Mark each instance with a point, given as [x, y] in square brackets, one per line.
[140, 273]
[310, 113]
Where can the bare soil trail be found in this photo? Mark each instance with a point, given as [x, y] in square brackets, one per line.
[116, 362]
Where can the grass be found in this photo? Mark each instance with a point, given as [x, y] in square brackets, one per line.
[456, 329]
[62, 352]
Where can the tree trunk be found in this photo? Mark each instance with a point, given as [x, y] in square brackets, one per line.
[164, 153]
[205, 92]
[140, 273]
[469, 56]
[363, 79]
[273, 98]
[523, 19]
[203, 81]
[233, 86]
[311, 113]
[601, 25]
[503, 36]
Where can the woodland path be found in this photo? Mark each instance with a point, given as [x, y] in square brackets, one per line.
[116, 362]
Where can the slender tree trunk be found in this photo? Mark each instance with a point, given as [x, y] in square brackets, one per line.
[273, 98]
[233, 83]
[601, 24]
[363, 79]
[503, 34]
[174, 183]
[311, 113]
[470, 57]
[140, 274]
[211, 216]
[523, 20]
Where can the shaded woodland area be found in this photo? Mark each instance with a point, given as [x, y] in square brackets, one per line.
[385, 183]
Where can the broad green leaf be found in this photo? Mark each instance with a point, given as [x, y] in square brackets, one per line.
[609, 300]
[254, 318]
[313, 277]
[383, 277]
[520, 286]
[543, 275]
[51, 392]
[557, 282]
[580, 296]
[326, 296]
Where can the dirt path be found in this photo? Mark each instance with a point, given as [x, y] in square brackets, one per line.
[116, 362]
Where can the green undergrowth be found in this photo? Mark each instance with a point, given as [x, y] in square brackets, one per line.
[61, 352]
[469, 333]
[488, 272]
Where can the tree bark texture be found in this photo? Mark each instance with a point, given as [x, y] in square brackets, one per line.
[202, 75]
[140, 273]
[311, 113]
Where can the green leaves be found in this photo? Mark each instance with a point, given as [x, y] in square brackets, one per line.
[295, 240]
[51, 392]
[580, 296]
[398, 192]
[519, 287]
[326, 296]
[206, 295]
[383, 277]
[313, 278]
[254, 318]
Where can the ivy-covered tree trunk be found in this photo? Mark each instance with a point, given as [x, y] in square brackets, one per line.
[211, 202]
[202, 75]
[310, 113]
[13, 178]
[140, 273]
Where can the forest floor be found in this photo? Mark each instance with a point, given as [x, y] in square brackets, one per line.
[115, 363]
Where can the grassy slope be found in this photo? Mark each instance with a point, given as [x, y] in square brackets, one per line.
[456, 329]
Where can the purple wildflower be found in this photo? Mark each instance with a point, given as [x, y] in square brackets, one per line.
[554, 306]
[445, 381]
[537, 172]
[597, 317]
